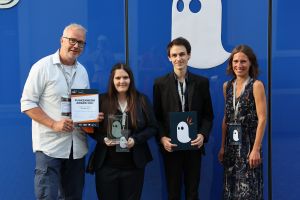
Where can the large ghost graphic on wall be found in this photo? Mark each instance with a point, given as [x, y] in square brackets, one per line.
[116, 129]
[183, 132]
[199, 21]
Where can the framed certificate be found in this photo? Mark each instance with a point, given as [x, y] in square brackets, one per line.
[118, 131]
[85, 107]
[183, 129]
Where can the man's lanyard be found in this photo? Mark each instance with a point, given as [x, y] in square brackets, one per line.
[236, 107]
[181, 92]
[69, 82]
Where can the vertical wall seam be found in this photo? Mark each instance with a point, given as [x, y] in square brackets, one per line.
[126, 34]
[270, 21]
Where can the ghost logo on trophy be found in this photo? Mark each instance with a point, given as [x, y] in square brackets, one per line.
[116, 129]
[200, 21]
[123, 142]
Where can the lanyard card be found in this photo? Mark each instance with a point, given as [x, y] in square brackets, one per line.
[65, 106]
[235, 133]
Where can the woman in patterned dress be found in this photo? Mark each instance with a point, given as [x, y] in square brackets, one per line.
[243, 127]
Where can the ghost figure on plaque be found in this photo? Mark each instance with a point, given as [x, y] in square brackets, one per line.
[183, 129]
[118, 131]
[183, 132]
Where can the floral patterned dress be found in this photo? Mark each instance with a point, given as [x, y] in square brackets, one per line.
[241, 182]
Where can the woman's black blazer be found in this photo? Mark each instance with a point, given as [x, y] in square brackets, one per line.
[146, 128]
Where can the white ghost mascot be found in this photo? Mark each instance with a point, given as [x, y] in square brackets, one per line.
[203, 30]
[235, 135]
[183, 132]
[123, 142]
[116, 129]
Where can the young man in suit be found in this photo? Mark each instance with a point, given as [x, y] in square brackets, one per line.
[182, 91]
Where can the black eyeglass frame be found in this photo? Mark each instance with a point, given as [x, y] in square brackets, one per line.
[73, 41]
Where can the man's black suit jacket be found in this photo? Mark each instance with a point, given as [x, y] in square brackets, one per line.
[166, 99]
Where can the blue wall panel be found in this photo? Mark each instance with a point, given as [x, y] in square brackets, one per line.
[285, 100]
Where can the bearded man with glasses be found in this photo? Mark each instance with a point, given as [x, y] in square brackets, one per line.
[59, 147]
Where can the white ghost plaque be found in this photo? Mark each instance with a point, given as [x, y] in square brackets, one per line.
[183, 132]
[183, 129]
[200, 22]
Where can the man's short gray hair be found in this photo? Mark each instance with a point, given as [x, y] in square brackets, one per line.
[74, 26]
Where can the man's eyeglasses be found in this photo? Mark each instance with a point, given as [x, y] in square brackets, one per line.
[73, 41]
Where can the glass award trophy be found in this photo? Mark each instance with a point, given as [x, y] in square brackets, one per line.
[118, 131]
